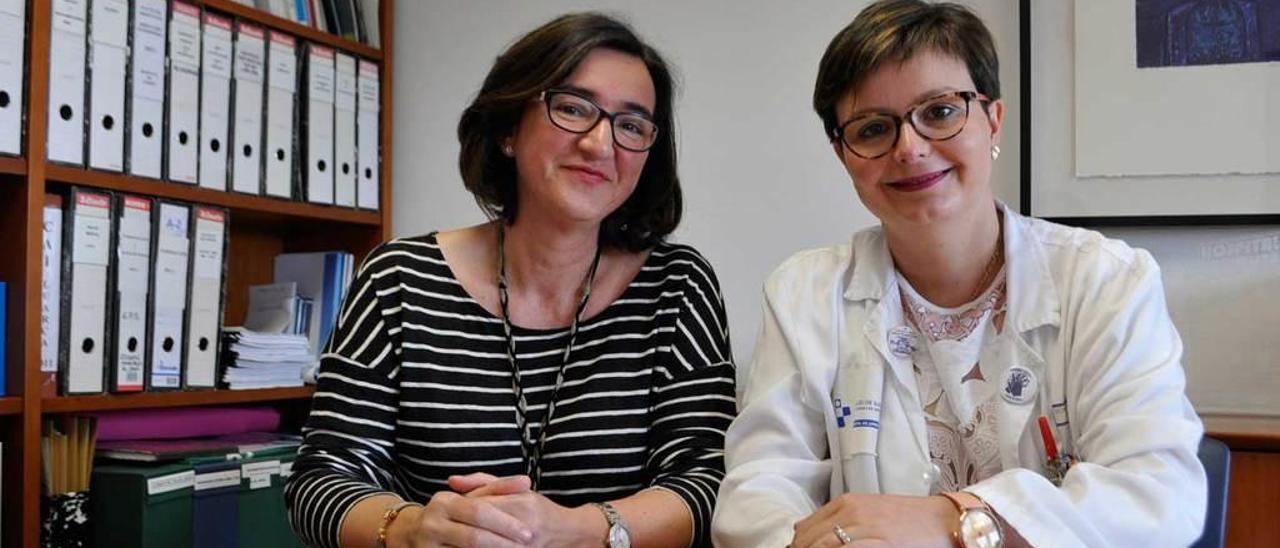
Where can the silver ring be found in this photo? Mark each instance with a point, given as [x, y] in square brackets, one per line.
[843, 536]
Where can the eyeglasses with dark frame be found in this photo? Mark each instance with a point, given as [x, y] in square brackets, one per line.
[570, 111]
[937, 118]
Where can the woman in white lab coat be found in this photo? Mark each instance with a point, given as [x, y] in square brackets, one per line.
[908, 388]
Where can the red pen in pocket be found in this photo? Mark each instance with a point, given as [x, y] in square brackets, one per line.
[1056, 465]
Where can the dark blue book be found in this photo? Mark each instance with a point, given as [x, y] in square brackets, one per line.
[3, 327]
[215, 505]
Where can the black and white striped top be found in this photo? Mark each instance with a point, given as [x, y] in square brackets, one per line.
[416, 386]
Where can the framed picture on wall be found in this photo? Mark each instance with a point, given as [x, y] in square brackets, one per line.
[1151, 112]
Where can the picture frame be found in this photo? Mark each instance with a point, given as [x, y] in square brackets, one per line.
[1053, 185]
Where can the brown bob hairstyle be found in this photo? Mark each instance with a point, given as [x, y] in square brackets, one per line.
[544, 59]
[892, 31]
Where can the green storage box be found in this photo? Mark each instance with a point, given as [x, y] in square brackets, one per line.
[141, 506]
[263, 520]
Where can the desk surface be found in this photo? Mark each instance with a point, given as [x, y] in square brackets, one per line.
[1244, 433]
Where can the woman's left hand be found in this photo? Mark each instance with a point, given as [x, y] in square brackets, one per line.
[553, 525]
[880, 520]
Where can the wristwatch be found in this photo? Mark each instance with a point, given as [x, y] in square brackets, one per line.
[619, 536]
[979, 527]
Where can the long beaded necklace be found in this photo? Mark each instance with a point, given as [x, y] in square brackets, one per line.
[530, 447]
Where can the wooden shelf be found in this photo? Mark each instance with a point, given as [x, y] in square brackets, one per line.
[1244, 432]
[297, 29]
[13, 166]
[261, 207]
[262, 227]
[106, 402]
[10, 405]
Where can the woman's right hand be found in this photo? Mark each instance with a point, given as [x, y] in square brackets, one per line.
[453, 519]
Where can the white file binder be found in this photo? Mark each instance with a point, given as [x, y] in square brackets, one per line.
[66, 82]
[215, 101]
[344, 131]
[183, 97]
[85, 265]
[13, 15]
[282, 85]
[209, 239]
[319, 144]
[367, 137]
[108, 46]
[248, 81]
[145, 107]
[51, 295]
[130, 283]
[170, 257]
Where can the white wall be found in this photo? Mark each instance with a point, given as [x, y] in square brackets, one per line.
[759, 178]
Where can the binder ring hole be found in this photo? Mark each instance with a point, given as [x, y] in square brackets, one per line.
[320, 165]
[87, 345]
[214, 145]
[248, 151]
[204, 344]
[132, 345]
[108, 122]
[182, 137]
[4, 99]
[167, 345]
[346, 168]
[368, 173]
[280, 154]
[65, 112]
[147, 129]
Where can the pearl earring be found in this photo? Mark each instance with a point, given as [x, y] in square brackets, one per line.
[995, 151]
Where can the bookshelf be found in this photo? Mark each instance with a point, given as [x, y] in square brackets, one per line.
[261, 208]
[260, 228]
[147, 400]
[299, 30]
[13, 166]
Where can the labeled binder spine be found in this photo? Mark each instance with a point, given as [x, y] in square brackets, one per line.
[248, 109]
[166, 311]
[205, 300]
[317, 124]
[280, 149]
[51, 295]
[86, 261]
[368, 137]
[130, 290]
[13, 78]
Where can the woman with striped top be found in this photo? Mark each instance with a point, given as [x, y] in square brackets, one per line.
[560, 376]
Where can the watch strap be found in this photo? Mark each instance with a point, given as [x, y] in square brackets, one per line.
[969, 533]
[965, 501]
[614, 518]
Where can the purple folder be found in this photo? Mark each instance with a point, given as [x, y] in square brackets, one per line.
[185, 422]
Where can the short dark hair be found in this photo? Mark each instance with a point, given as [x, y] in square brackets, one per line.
[543, 59]
[892, 31]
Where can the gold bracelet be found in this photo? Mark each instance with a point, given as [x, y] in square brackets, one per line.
[390, 516]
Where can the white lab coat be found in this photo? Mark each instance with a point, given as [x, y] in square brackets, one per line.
[1089, 322]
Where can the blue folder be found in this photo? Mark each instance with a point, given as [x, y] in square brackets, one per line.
[215, 516]
[3, 350]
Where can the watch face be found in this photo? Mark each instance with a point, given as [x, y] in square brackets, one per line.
[978, 529]
[618, 537]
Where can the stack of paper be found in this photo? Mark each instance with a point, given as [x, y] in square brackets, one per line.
[265, 360]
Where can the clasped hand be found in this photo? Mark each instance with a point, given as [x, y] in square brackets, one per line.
[880, 521]
[482, 510]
